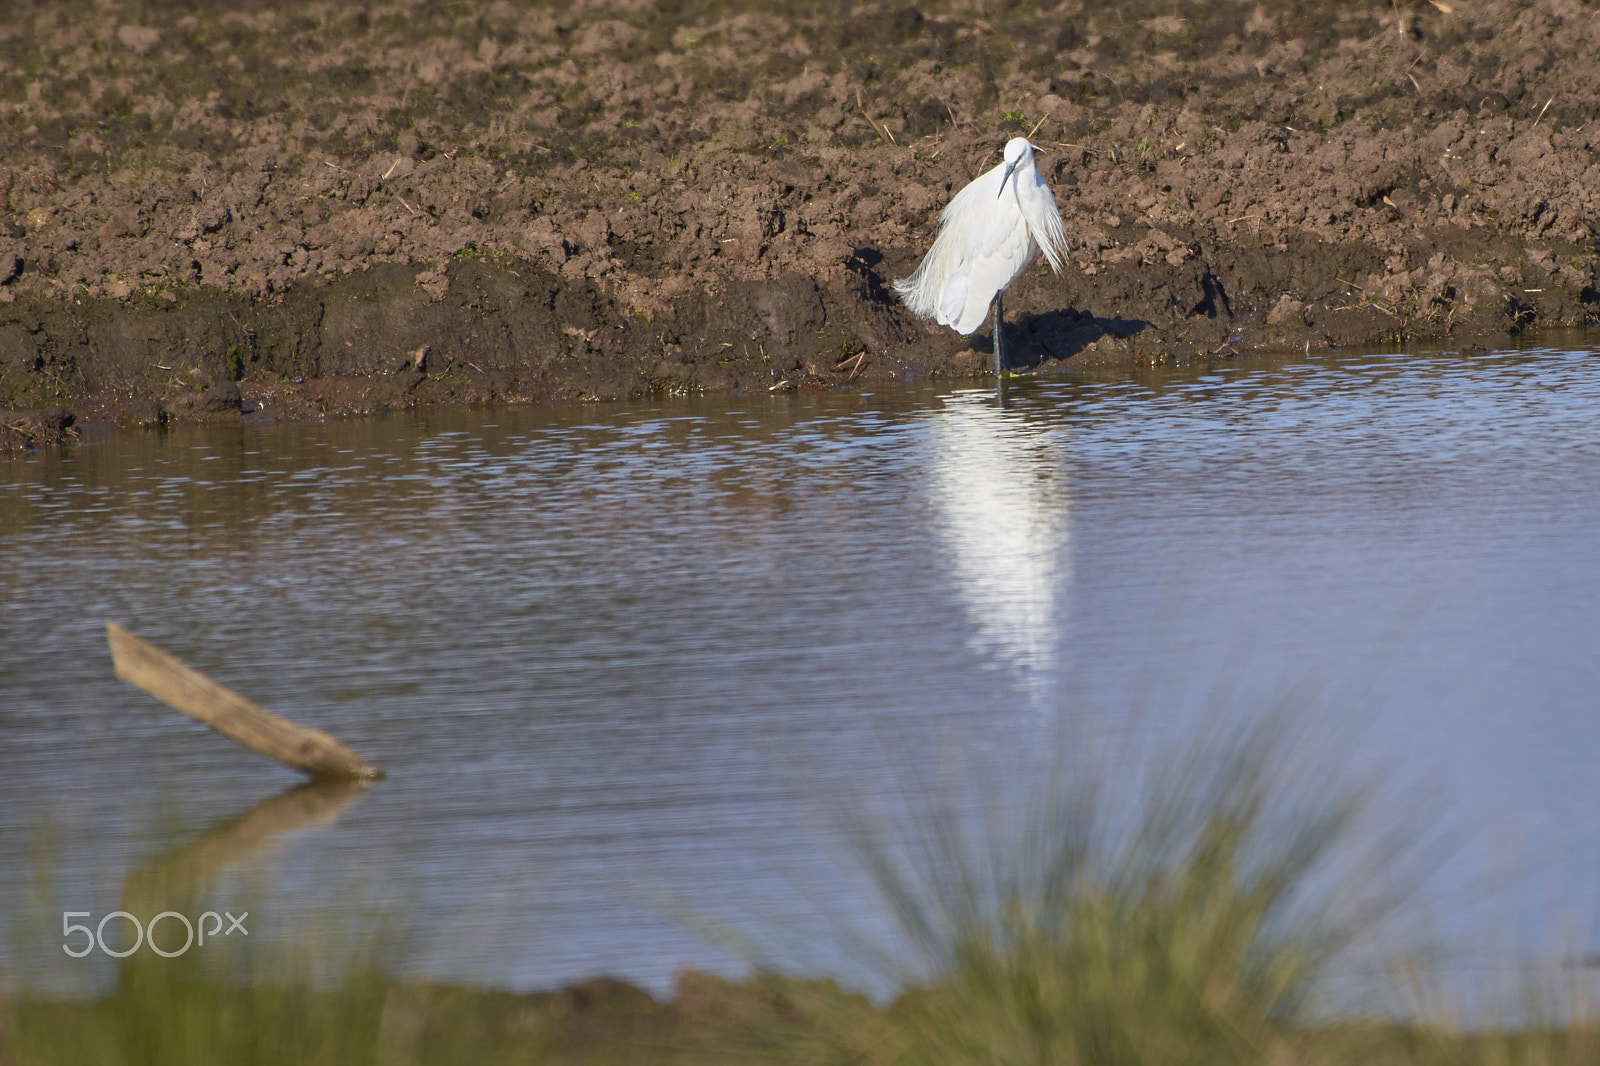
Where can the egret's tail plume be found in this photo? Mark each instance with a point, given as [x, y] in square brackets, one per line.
[920, 298]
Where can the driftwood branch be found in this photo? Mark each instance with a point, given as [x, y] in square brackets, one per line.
[169, 680]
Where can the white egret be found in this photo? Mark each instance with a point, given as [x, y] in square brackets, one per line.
[987, 237]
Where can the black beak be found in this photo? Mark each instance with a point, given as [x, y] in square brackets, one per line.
[1005, 179]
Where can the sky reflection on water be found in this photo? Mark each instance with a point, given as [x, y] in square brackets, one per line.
[622, 661]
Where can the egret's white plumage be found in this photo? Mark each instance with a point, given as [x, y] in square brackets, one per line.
[987, 237]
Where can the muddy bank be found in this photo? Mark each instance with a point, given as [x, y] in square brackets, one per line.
[210, 209]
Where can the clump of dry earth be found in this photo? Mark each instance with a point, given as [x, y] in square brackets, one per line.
[331, 207]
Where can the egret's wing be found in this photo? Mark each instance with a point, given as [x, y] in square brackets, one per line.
[1004, 250]
[938, 289]
[1044, 221]
[953, 298]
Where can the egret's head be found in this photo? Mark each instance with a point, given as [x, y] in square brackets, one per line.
[1018, 151]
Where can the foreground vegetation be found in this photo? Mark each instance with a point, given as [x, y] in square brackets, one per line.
[154, 1019]
[1198, 935]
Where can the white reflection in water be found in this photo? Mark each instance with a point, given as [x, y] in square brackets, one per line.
[1000, 485]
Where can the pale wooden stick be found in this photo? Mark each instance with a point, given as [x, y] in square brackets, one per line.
[147, 667]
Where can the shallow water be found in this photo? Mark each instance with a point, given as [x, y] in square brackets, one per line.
[632, 667]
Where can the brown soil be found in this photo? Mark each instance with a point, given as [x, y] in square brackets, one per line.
[339, 207]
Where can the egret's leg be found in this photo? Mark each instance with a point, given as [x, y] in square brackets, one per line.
[998, 322]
